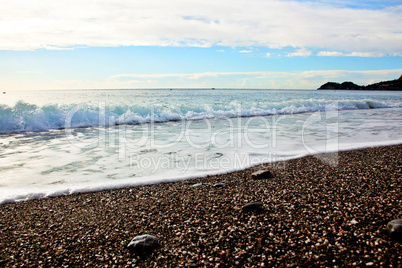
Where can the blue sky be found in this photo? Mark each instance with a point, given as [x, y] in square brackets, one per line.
[278, 44]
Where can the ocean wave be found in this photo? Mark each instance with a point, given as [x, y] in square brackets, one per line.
[25, 117]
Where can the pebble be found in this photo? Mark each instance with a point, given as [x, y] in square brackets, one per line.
[143, 243]
[255, 206]
[262, 174]
[220, 184]
[395, 227]
[197, 185]
[354, 221]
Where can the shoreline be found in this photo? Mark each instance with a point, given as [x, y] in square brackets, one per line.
[171, 179]
[314, 214]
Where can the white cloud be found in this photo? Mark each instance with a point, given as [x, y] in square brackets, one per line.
[266, 80]
[263, 79]
[268, 55]
[186, 76]
[27, 25]
[353, 54]
[300, 53]
[266, 74]
[330, 54]
[245, 51]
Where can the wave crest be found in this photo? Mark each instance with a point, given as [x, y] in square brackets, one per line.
[25, 117]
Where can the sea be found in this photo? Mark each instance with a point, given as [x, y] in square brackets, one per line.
[62, 142]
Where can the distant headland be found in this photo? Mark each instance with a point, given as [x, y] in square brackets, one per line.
[392, 85]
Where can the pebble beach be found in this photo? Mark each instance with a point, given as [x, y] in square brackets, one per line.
[317, 211]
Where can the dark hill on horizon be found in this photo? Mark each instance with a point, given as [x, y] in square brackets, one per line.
[392, 85]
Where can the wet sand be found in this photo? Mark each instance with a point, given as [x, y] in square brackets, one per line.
[316, 212]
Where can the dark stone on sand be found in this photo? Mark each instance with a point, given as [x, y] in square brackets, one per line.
[220, 184]
[262, 174]
[255, 206]
[395, 228]
[143, 243]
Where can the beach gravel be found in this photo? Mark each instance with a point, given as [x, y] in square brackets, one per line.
[321, 211]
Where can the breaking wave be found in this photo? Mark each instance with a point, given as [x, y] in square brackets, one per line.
[25, 117]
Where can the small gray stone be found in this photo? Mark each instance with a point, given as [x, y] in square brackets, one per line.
[217, 155]
[262, 174]
[256, 206]
[220, 184]
[395, 227]
[143, 243]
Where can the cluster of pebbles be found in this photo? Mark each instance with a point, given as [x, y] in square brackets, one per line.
[314, 211]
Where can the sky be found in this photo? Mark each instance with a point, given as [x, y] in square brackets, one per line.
[270, 44]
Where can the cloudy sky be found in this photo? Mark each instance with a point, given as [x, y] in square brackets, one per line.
[274, 44]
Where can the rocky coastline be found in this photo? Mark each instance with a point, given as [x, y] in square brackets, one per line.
[317, 211]
[392, 85]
